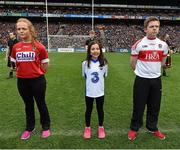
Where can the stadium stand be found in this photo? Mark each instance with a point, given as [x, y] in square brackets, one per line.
[122, 25]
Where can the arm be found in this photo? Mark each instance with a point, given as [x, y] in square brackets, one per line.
[165, 53]
[43, 56]
[106, 70]
[134, 55]
[133, 61]
[86, 47]
[7, 53]
[45, 66]
[86, 44]
[83, 69]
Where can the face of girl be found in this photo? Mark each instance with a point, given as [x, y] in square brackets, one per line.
[23, 31]
[95, 51]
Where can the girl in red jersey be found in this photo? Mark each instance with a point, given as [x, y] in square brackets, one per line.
[31, 60]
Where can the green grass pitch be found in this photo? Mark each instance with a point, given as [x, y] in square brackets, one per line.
[65, 100]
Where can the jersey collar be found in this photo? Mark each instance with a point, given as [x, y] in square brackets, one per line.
[151, 38]
[94, 60]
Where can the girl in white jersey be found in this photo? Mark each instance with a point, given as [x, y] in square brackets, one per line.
[94, 69]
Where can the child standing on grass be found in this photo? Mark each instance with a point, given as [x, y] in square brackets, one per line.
[148, 55]
[31, 60]
[94, 69]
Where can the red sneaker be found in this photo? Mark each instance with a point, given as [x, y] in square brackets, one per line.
[132, 135]
[158, 134]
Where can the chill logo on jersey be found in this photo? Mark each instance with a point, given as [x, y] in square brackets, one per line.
[151, 55]
[95, 77]
[25, 56]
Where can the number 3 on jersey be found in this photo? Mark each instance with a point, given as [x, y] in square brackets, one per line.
[95, 77]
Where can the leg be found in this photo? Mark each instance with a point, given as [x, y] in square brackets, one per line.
[153, 105]
[99, 107]
[140, 93]
[89, 107]
[10, 67]
[164, 72]
[39, 89]
[26, 94]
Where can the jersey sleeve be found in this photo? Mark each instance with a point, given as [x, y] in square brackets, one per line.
[13, 55]
[135, 49]
[43, 56]
[166, 49]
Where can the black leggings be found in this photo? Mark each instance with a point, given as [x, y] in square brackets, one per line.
[99, 107]
[34, 89]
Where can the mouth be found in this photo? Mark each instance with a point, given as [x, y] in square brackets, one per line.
[95, 55]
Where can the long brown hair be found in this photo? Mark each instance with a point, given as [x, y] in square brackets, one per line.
[102, 60]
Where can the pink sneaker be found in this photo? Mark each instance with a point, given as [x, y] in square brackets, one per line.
[87, 132]
[45, 133]
[101, 132]
[26, 135]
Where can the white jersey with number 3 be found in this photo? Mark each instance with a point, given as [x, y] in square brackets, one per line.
[94, 76]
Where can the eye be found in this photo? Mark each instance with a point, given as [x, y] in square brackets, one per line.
[92, 49]
[153, 26]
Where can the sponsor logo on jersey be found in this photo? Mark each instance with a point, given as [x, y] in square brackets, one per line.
[151, 56]
[25, 56]
[26, 46]
[152, 44]
[144, 46]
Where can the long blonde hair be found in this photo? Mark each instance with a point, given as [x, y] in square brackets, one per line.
[31, 29]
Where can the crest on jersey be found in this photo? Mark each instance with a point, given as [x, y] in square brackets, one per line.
[160, 45]
[152, 44]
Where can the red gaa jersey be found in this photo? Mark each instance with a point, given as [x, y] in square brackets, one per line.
[150, 53]
[28, 59]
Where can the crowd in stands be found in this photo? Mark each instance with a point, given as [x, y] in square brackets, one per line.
[121, 35]
[41, 27]
[88, 11]
[74, 34]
